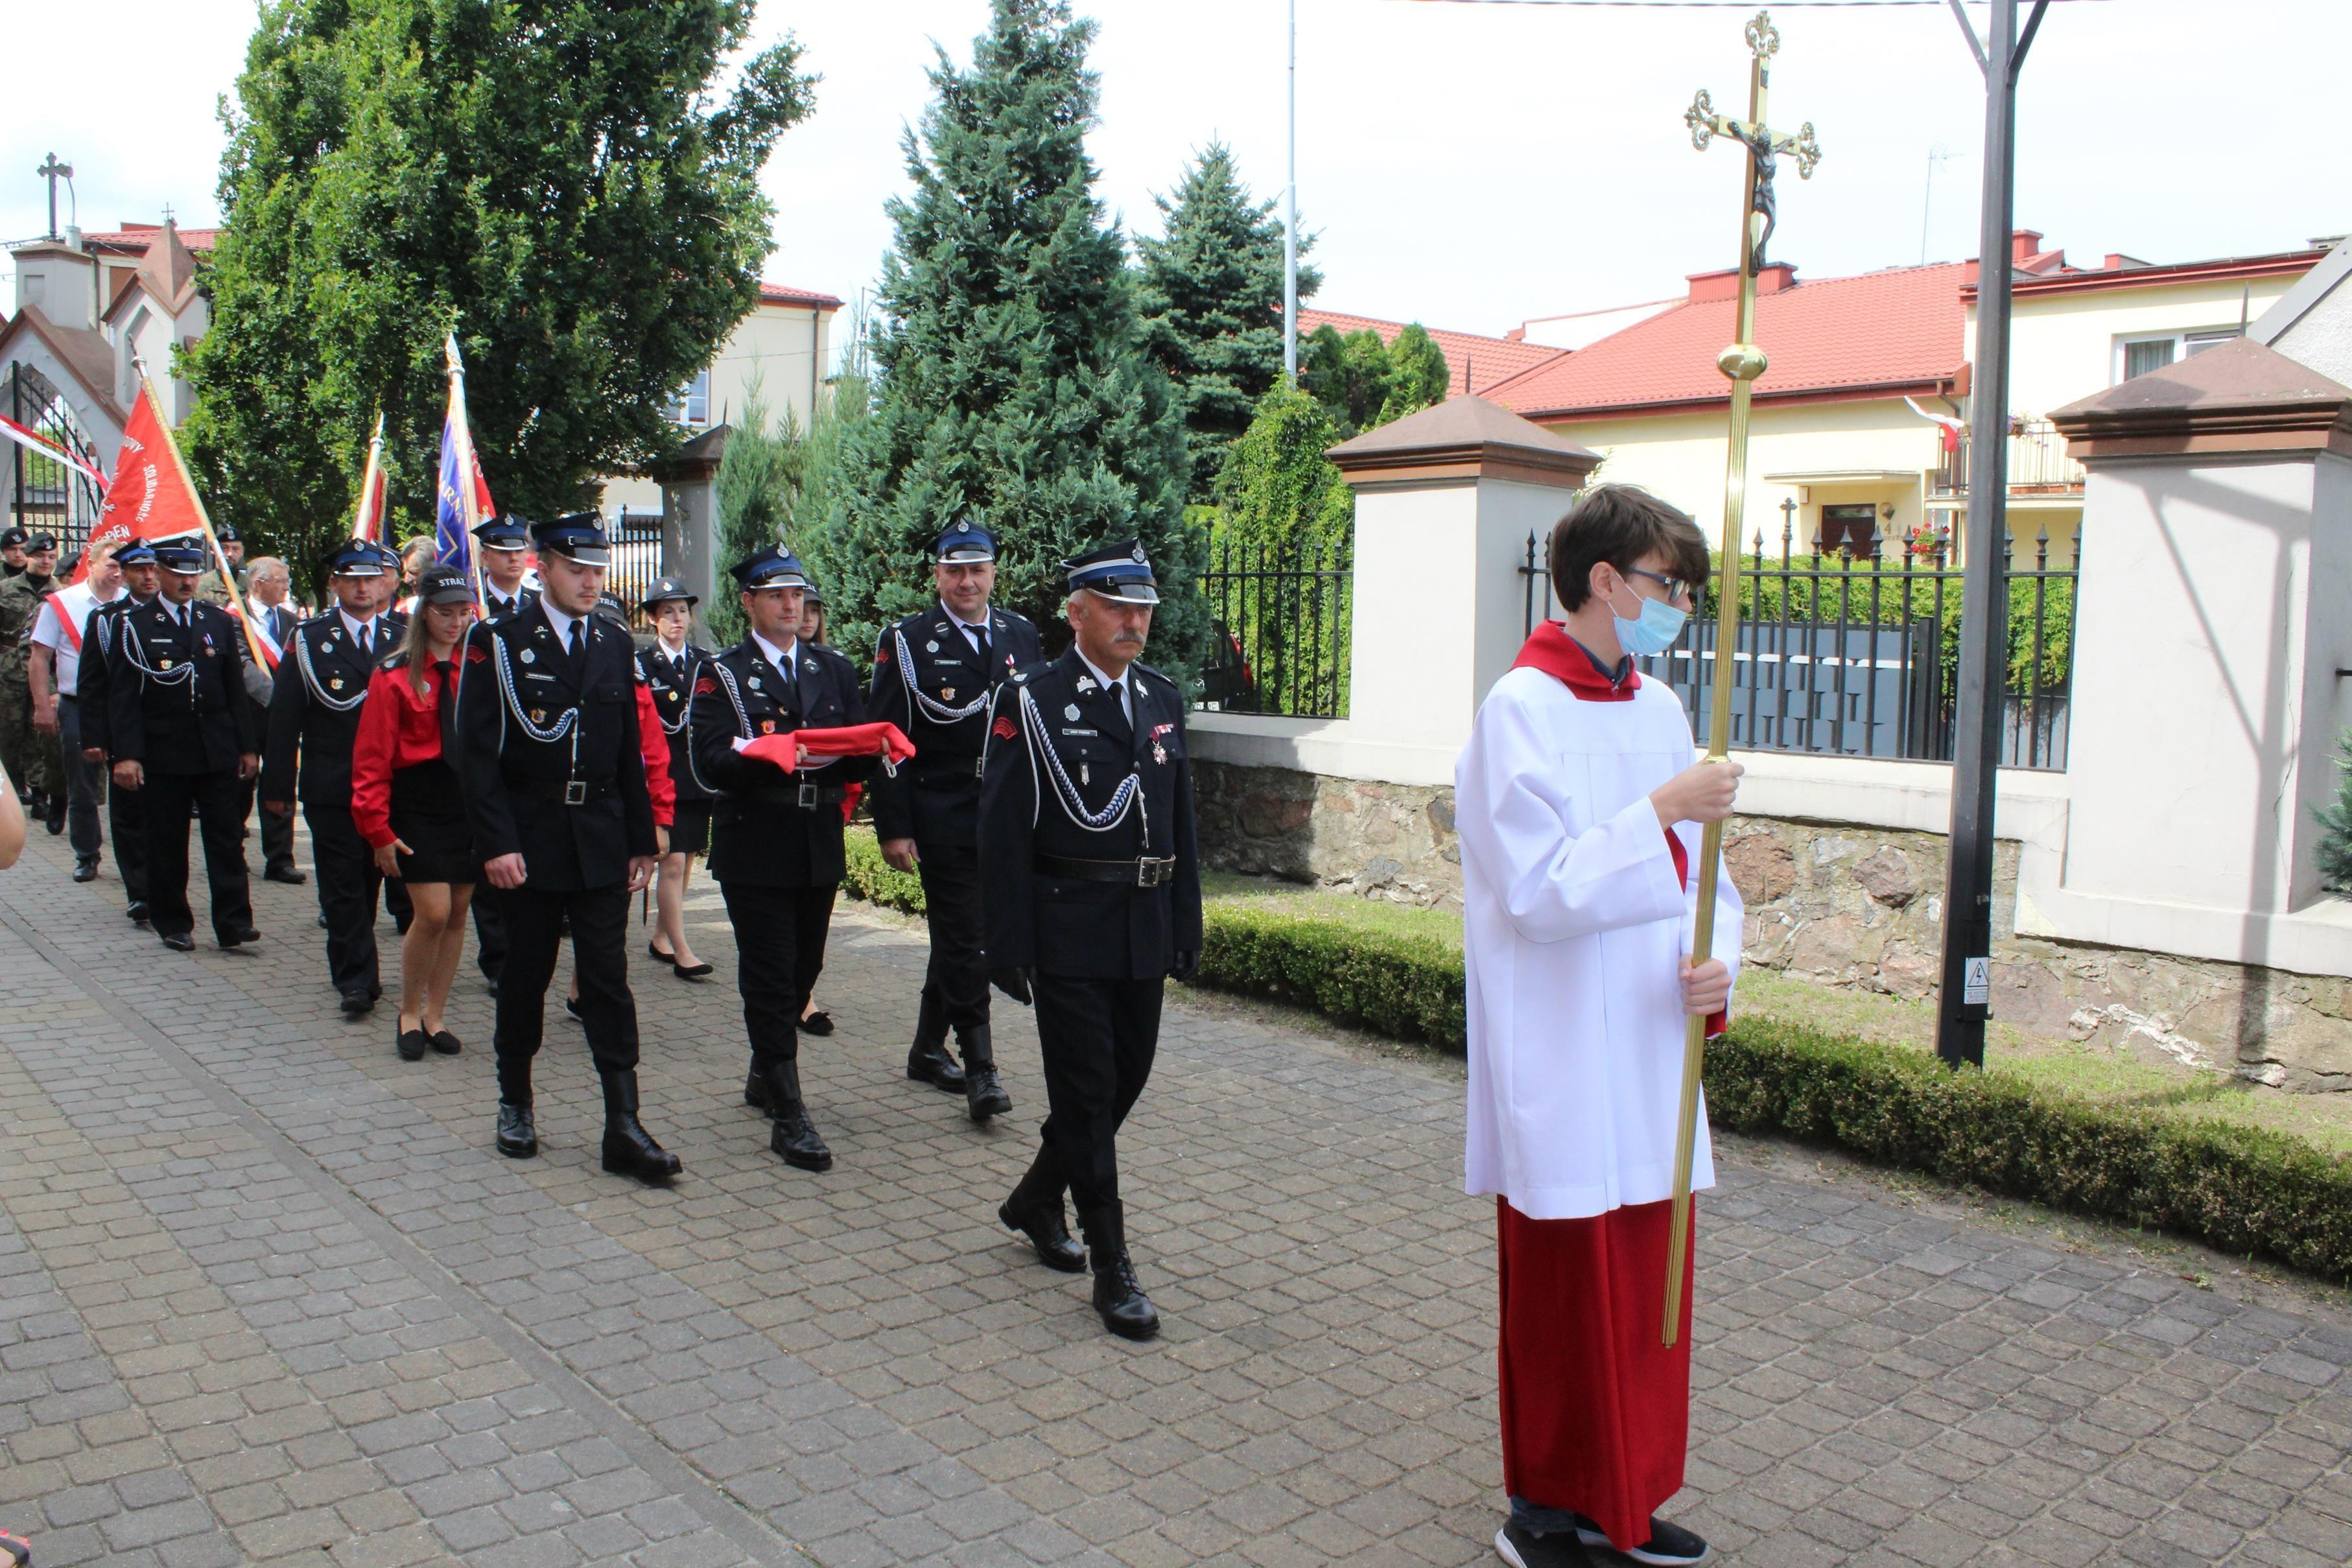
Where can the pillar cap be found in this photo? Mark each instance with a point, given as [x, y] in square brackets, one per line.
[1463, 439]
[2241, 397]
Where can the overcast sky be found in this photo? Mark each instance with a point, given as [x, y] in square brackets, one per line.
[1467, 165]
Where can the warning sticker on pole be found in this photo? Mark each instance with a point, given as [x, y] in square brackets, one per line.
[1976, 983]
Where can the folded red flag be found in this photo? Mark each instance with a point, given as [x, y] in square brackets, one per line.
[847, 740]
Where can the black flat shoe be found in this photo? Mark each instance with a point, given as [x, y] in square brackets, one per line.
[291, 876]
[410, 1044]
[661, 957]
[1522, 1548]
[818, 1023]
[85, 871]
[689, 971]
[1669, 1546]
[238, 937]
[180, 942]
[357, 1004]
[444, 1042]
[572, 1011]
[136, 912]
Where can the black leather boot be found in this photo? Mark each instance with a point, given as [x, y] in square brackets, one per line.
[629, 1149]
[793, 1136]
[928, 1061]
[755, 1084]
[1035, 1210]
[1124, 1310]
[983, 1096]
[517, 1138]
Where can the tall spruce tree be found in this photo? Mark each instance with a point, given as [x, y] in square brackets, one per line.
[557, 182]
[759, 472]
[1013, 380]
[1212, 292]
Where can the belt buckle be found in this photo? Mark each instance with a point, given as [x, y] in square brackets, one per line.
[808, 795]
[1150, 873]
[575, 791]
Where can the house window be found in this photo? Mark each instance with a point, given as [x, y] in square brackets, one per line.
[693, 402]
[2136, 356]
[1854, 528]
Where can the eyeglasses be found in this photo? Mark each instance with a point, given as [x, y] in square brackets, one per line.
[1674, 586]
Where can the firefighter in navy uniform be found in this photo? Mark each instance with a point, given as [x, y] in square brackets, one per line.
[126, 809]
[555, 789]
[1090, 883]
[313, 722]
[181, 730]
[933, 675]
[505, 540]
[776, 837]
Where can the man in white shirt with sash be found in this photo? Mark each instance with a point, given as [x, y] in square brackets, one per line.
[1582, 800]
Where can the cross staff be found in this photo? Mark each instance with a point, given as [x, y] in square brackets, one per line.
[1743, 361]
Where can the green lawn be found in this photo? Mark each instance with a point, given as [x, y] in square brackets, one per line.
[2057, 1063]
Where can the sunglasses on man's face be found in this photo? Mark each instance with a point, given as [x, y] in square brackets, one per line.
[1674, 586]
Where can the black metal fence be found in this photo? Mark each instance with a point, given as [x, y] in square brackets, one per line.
[1855, 655]
[45, 496]
[637, 558]
[1281, 628]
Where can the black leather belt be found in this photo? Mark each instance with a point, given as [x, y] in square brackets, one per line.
[804, 796]
[1146, 873]
[563, 791]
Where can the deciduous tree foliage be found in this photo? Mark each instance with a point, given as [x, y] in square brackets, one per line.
[1364, 383]
[1212, 294]
[558, 181]
[759, 472]
[1013, 380]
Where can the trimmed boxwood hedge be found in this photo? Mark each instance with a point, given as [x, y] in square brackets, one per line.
[2240, 1189]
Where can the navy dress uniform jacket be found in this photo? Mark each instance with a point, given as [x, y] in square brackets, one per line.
[550, 764]
[315, 704]
[673, 693]
[175, 696]
[92, 675]
[924, 671]
[1061, 925]
[770, 828]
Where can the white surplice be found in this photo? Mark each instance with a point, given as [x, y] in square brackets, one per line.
[1574, 926]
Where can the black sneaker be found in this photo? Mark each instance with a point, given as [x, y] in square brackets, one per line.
[1669, 1544]
[1522, 1548]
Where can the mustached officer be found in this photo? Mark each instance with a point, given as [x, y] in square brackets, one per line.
[934, 675]
[555, 789]
[314, 720]
[775, 837]
[181, 728]
[1090, 883]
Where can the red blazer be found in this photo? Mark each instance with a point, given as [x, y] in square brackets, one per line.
[655, 744]
[397, 729]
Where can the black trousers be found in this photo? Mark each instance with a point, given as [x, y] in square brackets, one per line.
[600, 957]
[83, 782]
[217, 799]
[276, 831]
[1098, 1039]
[126, 825]
[348, 881]
[779, 952]
[490, 930]
[958, 973]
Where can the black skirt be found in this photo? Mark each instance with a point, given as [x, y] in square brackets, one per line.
[428, 815]
[690, 833]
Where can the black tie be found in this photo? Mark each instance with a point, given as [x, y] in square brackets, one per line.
[575, 646]
[364, 641]
[980, 641]
[1118, 697]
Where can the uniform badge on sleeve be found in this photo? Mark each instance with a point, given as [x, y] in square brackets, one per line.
[1003, 729]
[705, 686]
[477, 656]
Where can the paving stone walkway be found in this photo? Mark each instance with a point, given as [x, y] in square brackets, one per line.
[267, 1296]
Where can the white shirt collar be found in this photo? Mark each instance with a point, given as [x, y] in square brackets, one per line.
[1097, 669]
[359, 629]
[967, 627]
[782, 658]
[675, 656]
[562, 623]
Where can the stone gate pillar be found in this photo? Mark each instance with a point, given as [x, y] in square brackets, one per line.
[1445, 499]
[690, 519]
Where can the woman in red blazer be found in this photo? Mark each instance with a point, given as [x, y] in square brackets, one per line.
[406, 803]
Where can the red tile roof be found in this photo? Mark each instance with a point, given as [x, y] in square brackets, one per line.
[777, 294]
[1882, 332]
[132, 239]
[1483, 361]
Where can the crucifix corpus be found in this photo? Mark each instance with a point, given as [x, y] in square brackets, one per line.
[1743, 361]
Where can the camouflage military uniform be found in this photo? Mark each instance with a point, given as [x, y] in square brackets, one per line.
[30, 756]
[212, 591]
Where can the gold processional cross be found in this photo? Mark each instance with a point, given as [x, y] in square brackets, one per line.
[1743, 361]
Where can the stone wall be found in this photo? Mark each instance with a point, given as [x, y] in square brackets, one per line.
[1858, 907]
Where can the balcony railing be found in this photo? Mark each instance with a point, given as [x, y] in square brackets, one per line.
[2038, 463]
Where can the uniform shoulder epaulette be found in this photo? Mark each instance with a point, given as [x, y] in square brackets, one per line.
[1168, 681]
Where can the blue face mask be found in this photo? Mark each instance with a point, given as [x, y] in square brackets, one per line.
[1659, 628]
